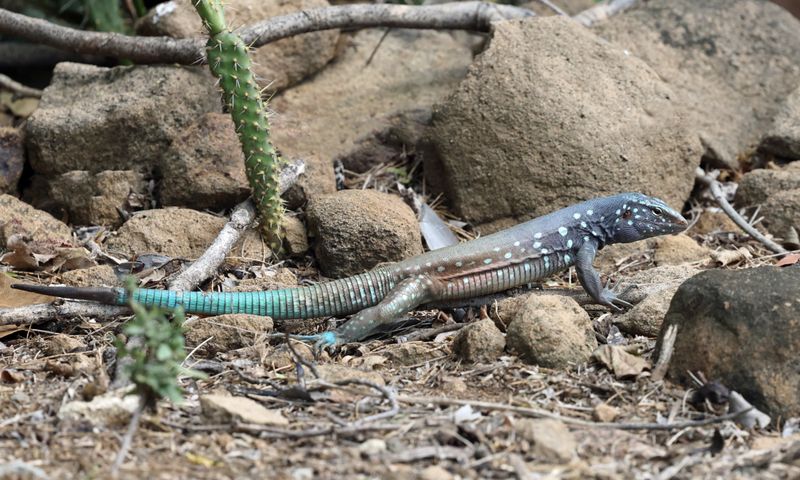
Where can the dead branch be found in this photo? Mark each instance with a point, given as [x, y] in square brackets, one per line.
[719, 197]
[243, 215]
[18, 88]
[128, 438]
[665, 354]
[43, 312]
[601, 12]
[537, 413]
[475, 16]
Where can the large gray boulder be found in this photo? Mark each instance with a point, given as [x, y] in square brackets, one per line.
[730, 64]
[741, 327]
[94, 118]
[551, 114]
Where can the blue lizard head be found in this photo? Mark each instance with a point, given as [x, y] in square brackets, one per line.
[638, 216]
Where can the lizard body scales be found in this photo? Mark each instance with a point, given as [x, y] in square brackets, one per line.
[519, 255]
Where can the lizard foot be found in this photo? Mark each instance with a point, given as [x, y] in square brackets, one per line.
[610, 296]
[322, 341]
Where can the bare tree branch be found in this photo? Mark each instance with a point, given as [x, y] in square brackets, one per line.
[476, 16]
[242, 216]
[18, 88]
[719, 197]
[42, 312]
[601, 12]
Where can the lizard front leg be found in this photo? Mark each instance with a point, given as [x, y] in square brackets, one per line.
[406, 295]
[590, 279]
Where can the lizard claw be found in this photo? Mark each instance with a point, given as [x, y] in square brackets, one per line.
[326, 341]
[322, 341]
[610, 296]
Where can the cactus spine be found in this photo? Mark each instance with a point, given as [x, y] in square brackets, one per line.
[229, 62]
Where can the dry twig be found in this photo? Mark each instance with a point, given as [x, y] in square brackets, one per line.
[243, 215]
[719, 197]
[18, 88]
[601, 12]
[665, 354]
[537, 413]
[476, 16]
[42, 312]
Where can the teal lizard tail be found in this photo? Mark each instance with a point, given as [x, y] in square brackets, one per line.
[338, 297]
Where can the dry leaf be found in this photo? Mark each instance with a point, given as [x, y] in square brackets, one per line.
[9, 375]
[728, 257]
[790, 259]
[17, 298]
[620, 362]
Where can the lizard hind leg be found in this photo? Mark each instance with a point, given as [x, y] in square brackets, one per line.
[406, 295]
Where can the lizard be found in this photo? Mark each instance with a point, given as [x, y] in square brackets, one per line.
[519, 255]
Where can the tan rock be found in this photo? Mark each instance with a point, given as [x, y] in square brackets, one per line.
[599, 115]
[179, 232]
[605, 413]
[221, 408]
[551, 441]
[647, 316]
[479, 341]
[355, 230]
[17, 217]
[551, 331]
[678, 249]
[225, 332]
[98, 276]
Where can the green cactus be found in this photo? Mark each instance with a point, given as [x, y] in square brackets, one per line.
[228, 60]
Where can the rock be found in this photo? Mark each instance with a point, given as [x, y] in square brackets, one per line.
[605, 413]
[97, 276]
[356, 230]
[410, 353]
[333, 372]
[155, 102]
[742, 328]
[277, 65]
[551, 331]
[290, 138]
[96, 199]
[646, 317]
[295, 237]
[532, 130]
[480, 341]
[59, 344]
[226, 332]
[757, 186]
[783, 138]
[19, 218]
[281, 357]
[222, 408]
[610, 258]
[207, 151]
[720, 58]
[782, 212]
[678, 249]
[108, 410]
[379, 106]
[435, 472]
[373, 446]
[12, 158]
[178, 232]
[550, 440]
[268, 279]
[714, 220]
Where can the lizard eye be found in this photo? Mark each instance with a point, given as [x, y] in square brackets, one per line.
[657, 211]
[627, 214]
